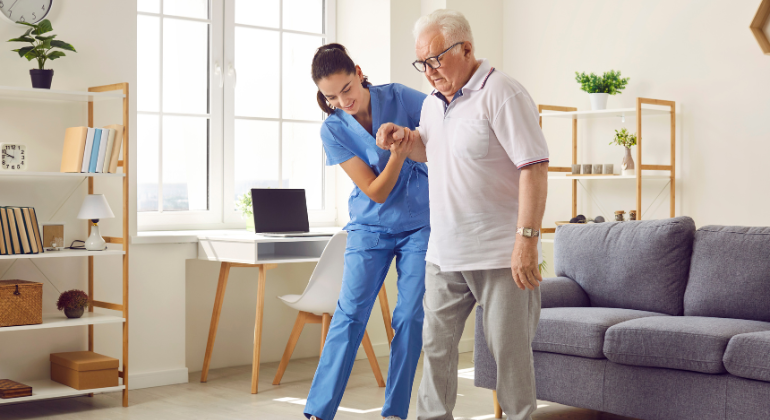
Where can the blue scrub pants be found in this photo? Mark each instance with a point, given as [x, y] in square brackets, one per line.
[368, 256]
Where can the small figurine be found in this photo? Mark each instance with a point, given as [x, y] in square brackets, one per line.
[599, 219]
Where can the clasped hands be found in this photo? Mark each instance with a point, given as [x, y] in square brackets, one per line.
[399, 140]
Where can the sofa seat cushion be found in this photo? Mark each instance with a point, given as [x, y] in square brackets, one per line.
[579, 331]
[681, 342]
[748, 356]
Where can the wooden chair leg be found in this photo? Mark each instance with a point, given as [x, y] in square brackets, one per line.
[224, 272]
[299, 325]
[372, 360]
[383, 296]
[498, 409]
[326, 320]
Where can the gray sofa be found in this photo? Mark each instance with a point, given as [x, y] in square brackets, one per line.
[653, 320]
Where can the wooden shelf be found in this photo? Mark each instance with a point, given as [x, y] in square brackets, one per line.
[64, 253]
[59, 174]
[606, 113]
[606, 177]
[59, 320]
[12, 92]
[46, 389]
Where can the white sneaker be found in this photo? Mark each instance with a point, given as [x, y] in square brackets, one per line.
[393, 418]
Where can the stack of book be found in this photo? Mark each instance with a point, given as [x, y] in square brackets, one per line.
[19, 231]
[92, 150]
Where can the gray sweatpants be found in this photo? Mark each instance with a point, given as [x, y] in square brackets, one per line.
[510, 321]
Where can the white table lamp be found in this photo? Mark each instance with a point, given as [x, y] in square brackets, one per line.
[95, 207]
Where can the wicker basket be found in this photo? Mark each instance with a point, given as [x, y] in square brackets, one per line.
[21, 303]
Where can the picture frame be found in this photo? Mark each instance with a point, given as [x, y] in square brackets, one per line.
[53, 232]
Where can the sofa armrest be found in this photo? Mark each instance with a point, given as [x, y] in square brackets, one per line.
[562, 292]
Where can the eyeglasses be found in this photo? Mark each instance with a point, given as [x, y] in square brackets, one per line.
[432, 62]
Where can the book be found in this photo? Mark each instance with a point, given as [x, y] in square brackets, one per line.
[115, 147]
[74, 146]
[95, 150]
[87, 150]
[36, 228]
[23, 237]
[6, 231]
[108, 154]
[3, 249]
[102, 150]
[14, 231]
[30, 230]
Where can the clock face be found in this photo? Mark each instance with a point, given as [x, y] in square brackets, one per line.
[30, 11]
[14, 157]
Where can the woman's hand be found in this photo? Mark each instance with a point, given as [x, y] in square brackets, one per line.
[400, 149]
[388, 134]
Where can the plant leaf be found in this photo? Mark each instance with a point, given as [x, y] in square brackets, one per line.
[23, 51]
[43, 27]
[22, 39]
[32, 54]
[55, 54]
[27, 24]
[28, 32]
[63, 45]
[43, 38]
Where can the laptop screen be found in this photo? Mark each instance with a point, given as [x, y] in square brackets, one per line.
[279, 210]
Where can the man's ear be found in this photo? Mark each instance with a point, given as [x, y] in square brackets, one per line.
[467, 49]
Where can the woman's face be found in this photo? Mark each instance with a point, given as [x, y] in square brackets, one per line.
[344, 91]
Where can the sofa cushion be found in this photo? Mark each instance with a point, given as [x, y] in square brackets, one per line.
[579, 331]
[748, 356]
[634, 265]
[559, 292]
[730, 273]
[682, 342]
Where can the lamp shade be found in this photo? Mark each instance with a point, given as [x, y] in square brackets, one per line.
[95, 207]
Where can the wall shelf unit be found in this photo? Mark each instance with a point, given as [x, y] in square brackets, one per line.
[645, 107]
[117, 246]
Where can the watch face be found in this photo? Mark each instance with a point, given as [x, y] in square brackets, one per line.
[14, 157]
[30, 11]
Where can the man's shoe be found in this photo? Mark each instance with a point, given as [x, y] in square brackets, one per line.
[393, 418]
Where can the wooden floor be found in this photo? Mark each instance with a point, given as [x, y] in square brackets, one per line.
[227, 396]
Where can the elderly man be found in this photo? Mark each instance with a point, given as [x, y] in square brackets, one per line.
[488, 163]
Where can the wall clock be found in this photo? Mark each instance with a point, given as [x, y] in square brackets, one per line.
[30, 11]
[760, 26]
[14, 157]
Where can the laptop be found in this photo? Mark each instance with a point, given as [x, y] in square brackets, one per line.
[281, 213]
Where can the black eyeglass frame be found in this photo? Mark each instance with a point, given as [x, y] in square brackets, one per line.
[425, 64]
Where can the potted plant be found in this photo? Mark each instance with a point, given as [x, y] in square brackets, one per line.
[626, 139]
[40, 50]
[600, 88]
[244, 205]
[73, 303]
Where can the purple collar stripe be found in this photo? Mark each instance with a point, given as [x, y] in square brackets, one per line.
[485, 79]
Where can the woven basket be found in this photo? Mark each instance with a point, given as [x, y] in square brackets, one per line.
[21, 303]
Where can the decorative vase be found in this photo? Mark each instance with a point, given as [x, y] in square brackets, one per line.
[628, 163]
[73, 312]
[41, 79]
[598, 101]
[249, 223]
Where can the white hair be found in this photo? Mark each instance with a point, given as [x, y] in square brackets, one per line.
[452, 24]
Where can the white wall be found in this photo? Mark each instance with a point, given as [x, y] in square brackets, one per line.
[106, 54]
[698, 53]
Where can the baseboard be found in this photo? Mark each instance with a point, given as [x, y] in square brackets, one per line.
[383, 350]
[160, 378]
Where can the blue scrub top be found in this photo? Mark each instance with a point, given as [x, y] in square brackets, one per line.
[406, 208]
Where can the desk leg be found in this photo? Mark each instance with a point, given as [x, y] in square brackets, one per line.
[258, 324]
[224, 272]
[383, 296]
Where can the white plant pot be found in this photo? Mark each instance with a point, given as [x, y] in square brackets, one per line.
[598, 100]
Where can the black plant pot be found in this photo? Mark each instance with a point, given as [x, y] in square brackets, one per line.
[73, 313]
[41, 79]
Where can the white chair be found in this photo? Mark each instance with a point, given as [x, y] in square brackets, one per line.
[319, 300]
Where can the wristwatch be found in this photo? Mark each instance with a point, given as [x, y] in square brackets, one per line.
[527, 232]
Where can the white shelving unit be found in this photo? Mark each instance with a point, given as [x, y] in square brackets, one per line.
[605, 177]
[117, 246]
[647, 110]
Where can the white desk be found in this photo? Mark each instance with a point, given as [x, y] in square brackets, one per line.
[240, 248]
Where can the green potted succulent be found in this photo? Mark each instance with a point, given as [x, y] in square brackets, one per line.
[627, 140]
[244, 205]
[600, 88]
[73, 303]
[41, 50]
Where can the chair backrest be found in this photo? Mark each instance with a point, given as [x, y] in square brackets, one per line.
[323, 289]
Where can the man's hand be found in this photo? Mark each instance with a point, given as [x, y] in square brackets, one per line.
[388, 134]
[401, 149]
[524, 266]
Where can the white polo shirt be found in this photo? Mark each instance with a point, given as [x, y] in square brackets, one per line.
[476, 147]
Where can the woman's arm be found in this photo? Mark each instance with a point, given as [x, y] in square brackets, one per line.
[378, 188]
[389, 134]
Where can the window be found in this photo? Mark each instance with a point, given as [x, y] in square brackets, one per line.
[225, 104]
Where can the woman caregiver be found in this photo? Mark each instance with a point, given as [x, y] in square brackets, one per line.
[389, 218]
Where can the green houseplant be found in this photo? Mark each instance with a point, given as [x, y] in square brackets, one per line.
[41, 50]
[627, 140]
[73, 303]
[600, 88]
[244, 205]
